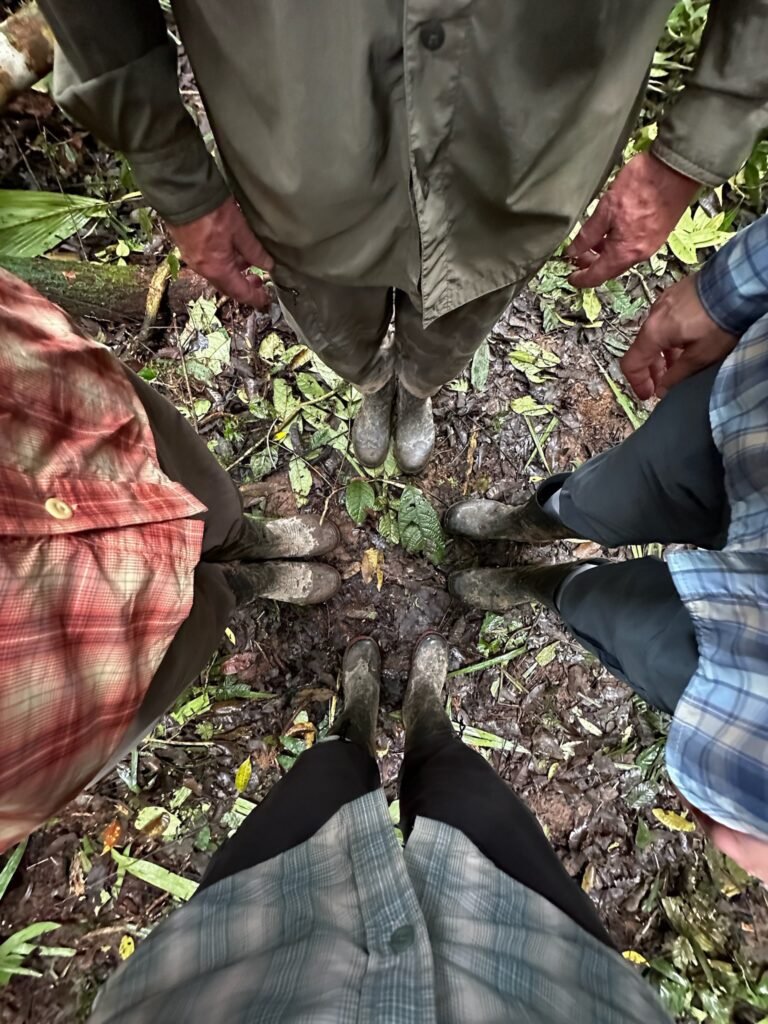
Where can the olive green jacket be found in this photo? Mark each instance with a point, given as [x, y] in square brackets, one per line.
[451, 143]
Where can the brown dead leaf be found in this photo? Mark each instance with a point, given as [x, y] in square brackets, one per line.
[372, 567]
[587, 550]
[111, 835]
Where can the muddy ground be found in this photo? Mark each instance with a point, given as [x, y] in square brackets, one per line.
[571, 740]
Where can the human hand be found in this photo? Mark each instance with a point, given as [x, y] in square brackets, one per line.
[632, 221]
[749, 852]
[221, 246]
[678, 339]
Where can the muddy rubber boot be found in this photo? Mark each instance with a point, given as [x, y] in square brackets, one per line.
[289, 582]
[360, 682]
[308, 536]
[423, 709]
[528, 523]
[372, 428]
[499, 590]
[414, 432]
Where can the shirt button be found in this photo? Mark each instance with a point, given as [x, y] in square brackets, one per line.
[58, 509]
[432, 35]
[401, 939]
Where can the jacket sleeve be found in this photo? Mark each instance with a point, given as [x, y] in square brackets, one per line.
[711, 128]
[733, 284]
[115, 73]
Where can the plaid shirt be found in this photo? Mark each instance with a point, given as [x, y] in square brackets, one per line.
[717, 752]
[97, 555]
[348, 928]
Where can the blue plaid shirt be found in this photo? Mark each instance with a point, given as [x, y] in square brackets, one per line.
[717, 752]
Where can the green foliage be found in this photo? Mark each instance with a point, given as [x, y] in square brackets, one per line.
[19, 946]
[31, 223]
[359, 499]
[9, 868]
[156, 875]
[481, 363]
[419, 525]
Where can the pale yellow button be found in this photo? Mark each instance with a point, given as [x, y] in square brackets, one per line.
[58, 509]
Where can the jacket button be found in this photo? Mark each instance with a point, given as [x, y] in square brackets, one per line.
[432, 35]
[402, 939]
[58, 509]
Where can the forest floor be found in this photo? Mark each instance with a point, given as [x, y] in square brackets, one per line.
[543, 396]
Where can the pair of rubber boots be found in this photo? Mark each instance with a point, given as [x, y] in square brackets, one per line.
[423, 709]
[499, 590]
[264, 549]
[414, 428]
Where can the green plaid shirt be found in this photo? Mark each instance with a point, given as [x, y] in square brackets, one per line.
[348, 927]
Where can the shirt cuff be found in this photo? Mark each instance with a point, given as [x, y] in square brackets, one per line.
[708, 136]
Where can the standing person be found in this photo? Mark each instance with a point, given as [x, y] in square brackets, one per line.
[123, 553]
[690, 635]
[419, 160]
[312, 911]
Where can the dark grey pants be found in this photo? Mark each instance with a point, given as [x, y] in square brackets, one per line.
[664, 484]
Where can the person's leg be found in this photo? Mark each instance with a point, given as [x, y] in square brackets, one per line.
[348, 329]
[429, 357]
[631, 617]
[665, 483]
[322, 780]
[444, 780]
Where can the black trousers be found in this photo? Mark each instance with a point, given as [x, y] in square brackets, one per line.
[441, 779]
[664, 484]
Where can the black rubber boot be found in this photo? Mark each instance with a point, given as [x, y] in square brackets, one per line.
[423, 709]
[360, 681]
[528, 523]
[372, 428]
[499, 590]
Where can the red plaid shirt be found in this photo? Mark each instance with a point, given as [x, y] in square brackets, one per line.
[97, 556]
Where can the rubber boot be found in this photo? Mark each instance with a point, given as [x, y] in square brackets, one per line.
[307, 536]
[423, 711]
[414, 432]
[289, 582]
[360, 682]
[528, 523]
[499, 590]
[372, 428]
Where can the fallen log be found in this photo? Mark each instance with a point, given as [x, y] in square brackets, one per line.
[26, 51]
[103, 291]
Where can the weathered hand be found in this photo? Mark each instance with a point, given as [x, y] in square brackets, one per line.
[632, 220]
[221, 246]
[749, 852]
[678, 339]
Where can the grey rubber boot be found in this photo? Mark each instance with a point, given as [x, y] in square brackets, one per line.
[372, 428]
[360, 682]
[499, 590]
[527, 523]
[307, 536]
[414, 431]
[423, 711]
[289, 582]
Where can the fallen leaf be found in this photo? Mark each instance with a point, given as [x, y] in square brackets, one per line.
[372, 567]
[634, 957]
[673, 821]
[588, 881]
[111, 835]
[127, 947]
[243, 775]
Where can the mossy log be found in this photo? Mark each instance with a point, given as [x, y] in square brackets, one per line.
[103, 291]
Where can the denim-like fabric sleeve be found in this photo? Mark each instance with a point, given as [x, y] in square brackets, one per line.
[733, 285]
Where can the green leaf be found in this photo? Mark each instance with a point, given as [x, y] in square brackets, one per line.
[591, 304]
[205, 340]
[388, 528]
[9, 868]
[682, 246]
[154, 874]
[31, 223]
[528, 406]
[243, 775]
[359, 498]
[20, 939]
[531, 359]
[310, 387]
[419, 525]
[547, 654]
[300, 477]
[283, 399]
[272, 348]
[643, 836]
[262, 465]
[481, 363]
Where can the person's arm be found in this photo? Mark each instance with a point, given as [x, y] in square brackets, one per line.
[704, 138]
[115, 73]
[699, 320]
